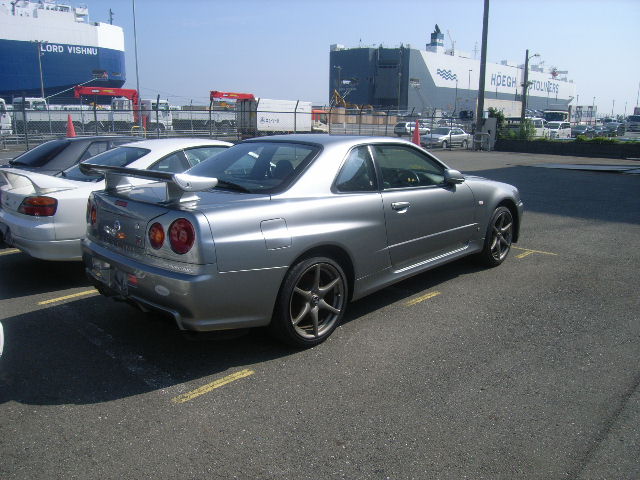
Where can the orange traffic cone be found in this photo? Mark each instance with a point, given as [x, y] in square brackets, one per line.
[71, 130]
[416, 134]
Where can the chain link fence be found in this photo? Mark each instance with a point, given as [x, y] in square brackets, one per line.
[29, 127]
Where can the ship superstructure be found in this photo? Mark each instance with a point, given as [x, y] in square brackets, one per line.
[435, 78]
[51, 46]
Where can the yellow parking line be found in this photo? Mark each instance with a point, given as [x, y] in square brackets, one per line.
[422, 298]
[9, 252]
[185, 397]
[67, 297]
[530, 251]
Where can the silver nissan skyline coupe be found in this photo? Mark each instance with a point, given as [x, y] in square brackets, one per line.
[284, 231]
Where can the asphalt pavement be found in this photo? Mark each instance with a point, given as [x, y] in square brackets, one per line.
[529, 370]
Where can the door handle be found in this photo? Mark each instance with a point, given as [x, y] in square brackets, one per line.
[400, 206]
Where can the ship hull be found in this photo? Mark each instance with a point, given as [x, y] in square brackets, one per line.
[63, 66]
[423, 81]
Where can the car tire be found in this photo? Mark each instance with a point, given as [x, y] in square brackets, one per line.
[444, 144]
[465, 144]
[311, 302]
[498, 238]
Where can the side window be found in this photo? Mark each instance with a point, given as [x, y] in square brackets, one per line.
[403, 167]
[357, 173]
[197, 155]
[94, 149]
[174, 163]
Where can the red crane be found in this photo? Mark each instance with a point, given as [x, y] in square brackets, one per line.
[128, 93]
[215, 94]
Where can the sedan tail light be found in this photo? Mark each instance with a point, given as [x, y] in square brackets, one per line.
[182, 235]
[39, 206]
[156, 235]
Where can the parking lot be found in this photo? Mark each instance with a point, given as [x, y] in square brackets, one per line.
[527, 370]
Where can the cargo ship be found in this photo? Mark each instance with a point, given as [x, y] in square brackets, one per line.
[439, 79]
[48, 47]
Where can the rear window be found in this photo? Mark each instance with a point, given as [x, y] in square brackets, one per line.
[42, 154]
[257, 167]
[634, 118]
[117, 157]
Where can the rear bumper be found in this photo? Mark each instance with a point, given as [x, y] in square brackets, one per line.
[201, 300]
[37, 243]
[58, 250]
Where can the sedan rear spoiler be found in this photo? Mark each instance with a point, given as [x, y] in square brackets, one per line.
[40, 183]
[179, 185]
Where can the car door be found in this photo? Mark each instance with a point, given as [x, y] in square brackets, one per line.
[424, 216]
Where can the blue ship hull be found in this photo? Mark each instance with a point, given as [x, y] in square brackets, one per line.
[63, 67]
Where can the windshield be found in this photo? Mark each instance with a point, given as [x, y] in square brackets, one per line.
[257, 167]
[117, 157]
[559, 116]
[580, 127]
[440, 131]
[553, 125]
[42, 154]
[634, 118]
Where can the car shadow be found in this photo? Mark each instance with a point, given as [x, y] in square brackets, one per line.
[23, 275]
[96, 350]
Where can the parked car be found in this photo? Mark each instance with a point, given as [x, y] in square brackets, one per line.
[559, 129]
[600, 131]
[54, 156]
[445, 137]
[633, 123]
[44, 215]
[285, 230]
[583, 130]
[615, 129]
[407, 128]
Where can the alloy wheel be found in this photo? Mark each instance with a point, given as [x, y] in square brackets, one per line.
[502, 235]
[317, 300]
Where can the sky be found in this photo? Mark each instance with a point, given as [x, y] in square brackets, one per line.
[280, 48]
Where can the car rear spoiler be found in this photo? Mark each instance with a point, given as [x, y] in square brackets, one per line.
[40, 183]
[180, 186]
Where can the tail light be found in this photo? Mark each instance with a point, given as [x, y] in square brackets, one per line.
[156, 235]
[92, 213]
[182, 235]
[39, 206]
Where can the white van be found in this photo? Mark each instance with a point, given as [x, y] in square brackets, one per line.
[559, 129]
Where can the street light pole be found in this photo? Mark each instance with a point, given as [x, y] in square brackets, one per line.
[483, 67]
[39, 48]
[455, 103]
[135, 47]
[469, 90]
[525, 85]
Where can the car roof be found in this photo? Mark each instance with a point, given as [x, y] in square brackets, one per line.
[171, 144]
[91, 138]
[327, 140]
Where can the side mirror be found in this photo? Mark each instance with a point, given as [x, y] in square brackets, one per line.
[453, 177]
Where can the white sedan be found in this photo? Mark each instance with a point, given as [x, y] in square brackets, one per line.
[446, 137]
[45, 216]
